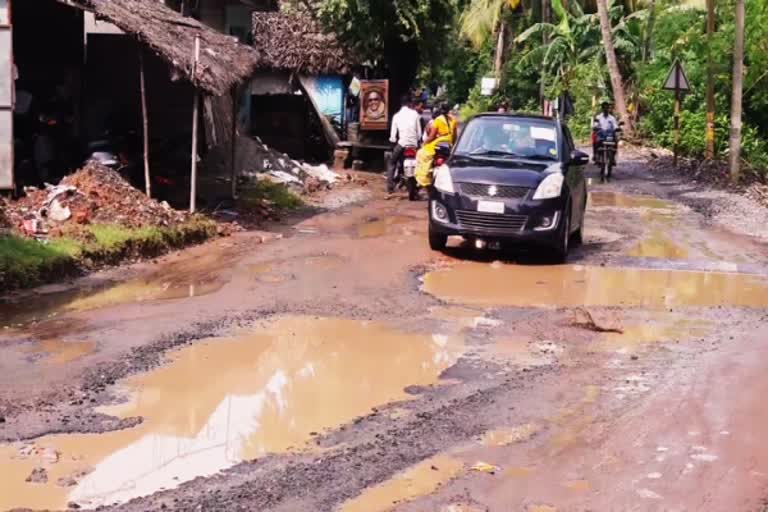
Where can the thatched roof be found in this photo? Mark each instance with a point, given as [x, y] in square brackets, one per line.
[224, 62]
[293, 41]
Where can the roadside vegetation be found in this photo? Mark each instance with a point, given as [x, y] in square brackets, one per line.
[589, 50]
[27, 262]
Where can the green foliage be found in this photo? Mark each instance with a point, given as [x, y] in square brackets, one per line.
[275, 193]
[369, 25]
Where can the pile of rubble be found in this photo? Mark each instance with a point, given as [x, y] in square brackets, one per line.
[94, 194]
[256, 161]
[5, 224]
[710, 172]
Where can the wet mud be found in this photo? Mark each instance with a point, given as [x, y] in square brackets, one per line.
[371, 390]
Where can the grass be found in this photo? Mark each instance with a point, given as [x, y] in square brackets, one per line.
[25, 263]
[278, 195]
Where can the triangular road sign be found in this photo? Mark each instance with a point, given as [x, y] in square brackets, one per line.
[676, 79]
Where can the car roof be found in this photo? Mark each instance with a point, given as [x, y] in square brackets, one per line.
[515, 116]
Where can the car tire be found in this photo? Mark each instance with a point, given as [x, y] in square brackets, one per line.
[437, 241]
[564, 237]
[577, 239]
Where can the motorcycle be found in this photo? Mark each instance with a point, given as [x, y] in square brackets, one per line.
[404, 173]
[607, 144]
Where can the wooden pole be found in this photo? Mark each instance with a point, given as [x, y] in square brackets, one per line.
[147, 181]
[235, 107]
[195, 106]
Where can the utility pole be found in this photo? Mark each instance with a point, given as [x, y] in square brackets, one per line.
[709, 151]
[737, 93]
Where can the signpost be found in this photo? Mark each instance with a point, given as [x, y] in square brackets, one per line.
[677, 82]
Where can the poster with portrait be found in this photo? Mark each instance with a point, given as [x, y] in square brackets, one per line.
[374, 110]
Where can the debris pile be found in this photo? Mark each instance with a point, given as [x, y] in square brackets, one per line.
[257, 161]
[710, 172]
[94, 194]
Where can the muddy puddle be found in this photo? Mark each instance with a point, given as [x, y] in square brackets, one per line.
[603, 199]
[657, 329]
[420, 480]
[380, 227]
[511, 435]
[573, 285]
[190, 277]
[658, 245]
[222, 401]
[56, 351]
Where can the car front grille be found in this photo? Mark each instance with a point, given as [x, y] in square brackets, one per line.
[491, 221]
[500, 191]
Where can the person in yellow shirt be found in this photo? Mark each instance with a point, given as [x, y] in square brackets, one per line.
[442, 130]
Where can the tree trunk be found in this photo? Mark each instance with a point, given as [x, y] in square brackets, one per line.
[709, 135]
[613, 66]
[648, 43]
[738, 84]
[499, 61]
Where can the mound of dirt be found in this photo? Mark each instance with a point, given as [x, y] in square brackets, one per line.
[94, 194]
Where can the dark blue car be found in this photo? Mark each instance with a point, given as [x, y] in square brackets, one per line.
[511, 179]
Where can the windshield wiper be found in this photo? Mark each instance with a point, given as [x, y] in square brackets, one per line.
[541, 157]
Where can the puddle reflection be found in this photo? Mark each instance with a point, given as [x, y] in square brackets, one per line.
[227, 400]
[572, 285]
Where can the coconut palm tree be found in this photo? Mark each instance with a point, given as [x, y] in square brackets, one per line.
[483, 19]
[617, 83]
[572, 41]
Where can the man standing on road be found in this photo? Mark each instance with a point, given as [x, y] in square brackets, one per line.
[406, 133]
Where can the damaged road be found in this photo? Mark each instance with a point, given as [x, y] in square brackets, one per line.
[343, 366]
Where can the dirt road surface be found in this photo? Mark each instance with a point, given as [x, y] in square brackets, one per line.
[338, 364]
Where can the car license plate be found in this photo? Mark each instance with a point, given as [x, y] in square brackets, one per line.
[490, 207]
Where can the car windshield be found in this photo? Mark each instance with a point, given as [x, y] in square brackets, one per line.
[509, 137]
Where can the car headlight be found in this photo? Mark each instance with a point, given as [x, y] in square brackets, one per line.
[443, 181]
[551, 187]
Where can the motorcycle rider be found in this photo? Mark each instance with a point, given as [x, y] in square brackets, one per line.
[603, 123]
[405, 133]
[444, 129]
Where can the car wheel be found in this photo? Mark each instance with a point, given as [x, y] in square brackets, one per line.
[437, 241]
[577, 238]
[563, 244]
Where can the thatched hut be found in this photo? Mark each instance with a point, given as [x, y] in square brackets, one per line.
[293, 42]
[302, 76]
[95, 79]
[224, 62]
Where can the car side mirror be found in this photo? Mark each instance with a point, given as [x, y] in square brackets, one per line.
[578, 158]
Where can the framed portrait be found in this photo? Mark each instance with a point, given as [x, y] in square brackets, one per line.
[374, 109]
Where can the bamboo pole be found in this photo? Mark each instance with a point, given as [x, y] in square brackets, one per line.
[233, 155]
[145, 122]
[709, 136]
[195, 106]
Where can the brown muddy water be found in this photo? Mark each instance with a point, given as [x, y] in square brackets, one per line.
[574, 285]
[223, 401]
[602, 199]
[380, 227]
[658, 245]
[420, 480]
[185, 278]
